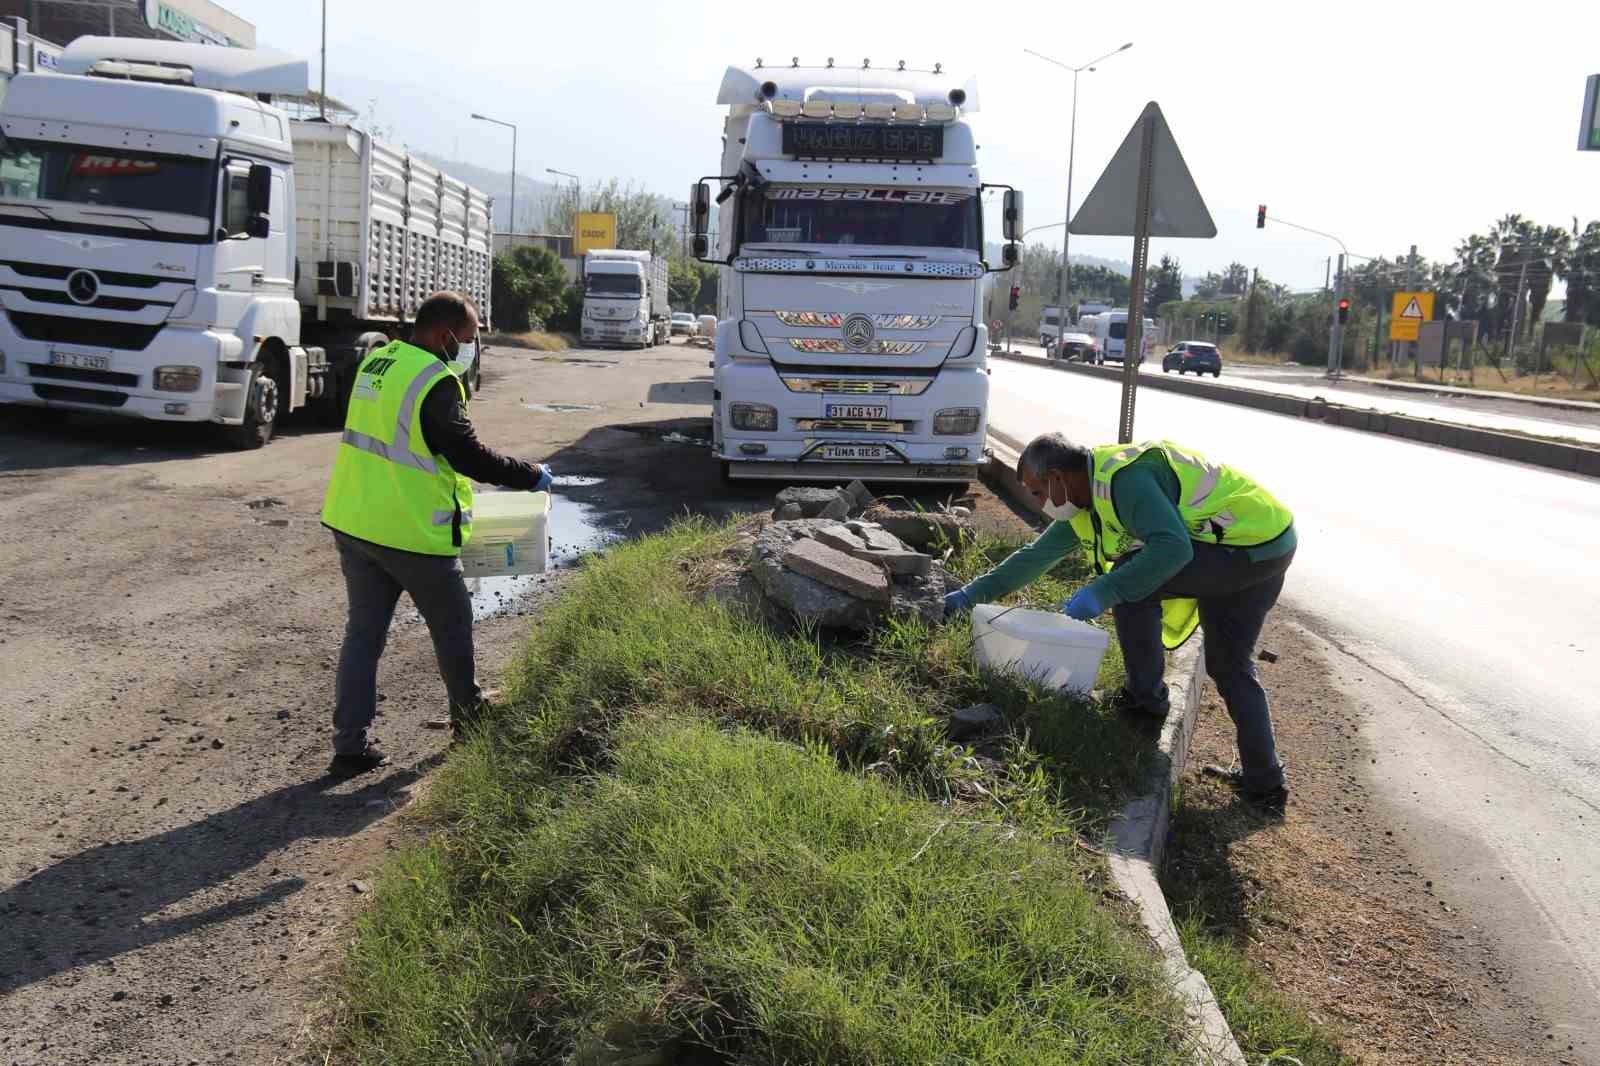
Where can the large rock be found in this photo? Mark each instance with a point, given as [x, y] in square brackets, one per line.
[902, 563]
[811, 500]
[791, 595]
[921, 529]
[836, 569]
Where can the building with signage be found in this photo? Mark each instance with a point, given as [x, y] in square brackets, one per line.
[63, 21]
[33, 32]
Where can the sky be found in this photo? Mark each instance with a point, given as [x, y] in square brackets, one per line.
[1384, 124]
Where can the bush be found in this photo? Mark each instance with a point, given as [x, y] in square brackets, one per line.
[528, 284]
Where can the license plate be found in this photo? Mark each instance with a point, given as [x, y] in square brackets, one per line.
[80, 362]
[858, 410]
[853, 452]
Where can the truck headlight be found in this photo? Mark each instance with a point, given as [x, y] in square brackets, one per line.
[754, 417]
[956, 421]
[177, 378]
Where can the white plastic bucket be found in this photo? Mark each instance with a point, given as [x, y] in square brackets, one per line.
[510, 535]
[1045, 646]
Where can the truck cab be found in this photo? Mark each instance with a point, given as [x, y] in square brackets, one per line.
[624, 299]
[146, 211]
[851, 342]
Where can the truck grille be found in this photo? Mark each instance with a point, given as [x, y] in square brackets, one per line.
[89, 332]
[835, 319]
[93, 377]
[107, 277]
[68, 394]
[839, 347]
[105, 303]
[857, 386]
[854, 425]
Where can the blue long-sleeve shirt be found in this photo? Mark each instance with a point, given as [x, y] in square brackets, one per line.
[1145, 494]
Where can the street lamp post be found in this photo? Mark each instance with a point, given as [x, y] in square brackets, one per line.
[1072, 146]
[513, 128]
[577, 191]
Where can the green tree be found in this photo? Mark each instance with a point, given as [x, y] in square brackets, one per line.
[1583, 276]
[1235, 280]
[1165, 285]
[527, 286]
[1210, 286]
[644, 220]
[706, 300]
[683, 284]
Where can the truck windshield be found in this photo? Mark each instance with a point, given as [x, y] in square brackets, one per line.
[845, 215]
[104, 177]
[613, 285]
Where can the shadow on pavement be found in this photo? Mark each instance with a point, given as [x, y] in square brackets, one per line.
[106, 901]
[36, 439]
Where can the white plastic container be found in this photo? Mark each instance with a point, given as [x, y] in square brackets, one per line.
[510, 535]
[1045, 646]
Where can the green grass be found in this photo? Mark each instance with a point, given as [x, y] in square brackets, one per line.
[691, 829]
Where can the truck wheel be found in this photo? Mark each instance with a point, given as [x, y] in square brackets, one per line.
[264, 399]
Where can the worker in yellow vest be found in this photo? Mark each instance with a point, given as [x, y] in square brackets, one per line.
[400, 507]
[1178, 541]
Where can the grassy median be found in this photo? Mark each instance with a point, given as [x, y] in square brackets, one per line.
[691, 838]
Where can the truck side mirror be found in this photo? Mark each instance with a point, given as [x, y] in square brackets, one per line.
[699, 208]
[1013, 215]
[258, 201]
[1009, 256]
[702, 246]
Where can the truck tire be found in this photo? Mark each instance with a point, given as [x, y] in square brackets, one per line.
[265, 397]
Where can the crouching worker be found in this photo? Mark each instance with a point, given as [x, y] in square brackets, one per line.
[1177, 540]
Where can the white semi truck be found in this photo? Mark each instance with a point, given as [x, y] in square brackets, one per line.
[625, 299]
[851, 341]
[177, 248]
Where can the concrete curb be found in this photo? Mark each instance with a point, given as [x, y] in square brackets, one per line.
[1138, 836]
[1537, 451]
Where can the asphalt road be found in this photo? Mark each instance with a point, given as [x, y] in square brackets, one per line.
[1511, 416]
[1457, 594]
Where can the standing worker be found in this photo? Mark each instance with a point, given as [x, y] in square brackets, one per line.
[400, 507]
[1178, 541]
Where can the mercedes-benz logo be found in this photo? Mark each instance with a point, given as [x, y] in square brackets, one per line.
[858, 332]
[83, 287]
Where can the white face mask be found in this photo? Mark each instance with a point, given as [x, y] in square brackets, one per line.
[1060, 512]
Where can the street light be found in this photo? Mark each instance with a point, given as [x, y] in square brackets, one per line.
[1072, 145]
[577, 189]
[513, 128]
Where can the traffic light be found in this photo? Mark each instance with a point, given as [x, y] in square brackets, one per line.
[1016, 294]
[1344, 309]
[1261, 217]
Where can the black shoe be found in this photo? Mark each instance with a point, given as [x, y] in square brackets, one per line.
[361, 762]
[1124, 703]
[1272, 800]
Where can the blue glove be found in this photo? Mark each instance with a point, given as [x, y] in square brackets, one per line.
[1085, 604]
[958, 600]
[545, 480]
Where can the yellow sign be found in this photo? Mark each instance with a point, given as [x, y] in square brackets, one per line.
[1409, 312]
[596, 229]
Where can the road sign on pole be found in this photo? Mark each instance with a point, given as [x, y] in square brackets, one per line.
[1410, 311]
[1146, 191]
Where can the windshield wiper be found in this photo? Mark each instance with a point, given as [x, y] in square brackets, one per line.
[145, 222]
[34, 207]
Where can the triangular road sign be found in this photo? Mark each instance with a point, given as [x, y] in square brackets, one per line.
[1176, 208]
[1413, 310]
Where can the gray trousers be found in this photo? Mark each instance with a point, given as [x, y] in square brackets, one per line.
[374, 577]
[1235, 595]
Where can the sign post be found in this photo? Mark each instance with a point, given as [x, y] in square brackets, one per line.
[1146, 191]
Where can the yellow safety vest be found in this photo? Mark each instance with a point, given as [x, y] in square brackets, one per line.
[387, 487]
[1217, 503]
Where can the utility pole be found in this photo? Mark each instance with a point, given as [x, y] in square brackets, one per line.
[322, 92]
[1516, 309]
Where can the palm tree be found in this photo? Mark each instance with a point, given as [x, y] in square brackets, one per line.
[1582, 275]
[1552, 246]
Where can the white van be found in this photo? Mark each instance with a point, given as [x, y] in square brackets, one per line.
[1110, 330]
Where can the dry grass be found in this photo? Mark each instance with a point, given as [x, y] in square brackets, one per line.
[537, 340]
[1487, 379]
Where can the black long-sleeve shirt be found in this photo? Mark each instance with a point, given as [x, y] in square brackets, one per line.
[448, 431]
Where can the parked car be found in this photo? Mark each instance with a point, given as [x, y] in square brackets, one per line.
[683, 322]
[1077, 347]
[1198, 356]
[706, 332]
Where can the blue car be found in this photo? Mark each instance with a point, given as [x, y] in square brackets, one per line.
[1198, 356]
